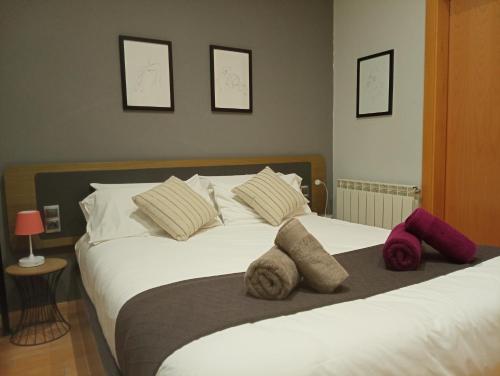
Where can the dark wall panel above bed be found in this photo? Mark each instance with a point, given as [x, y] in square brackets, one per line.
[66, 189]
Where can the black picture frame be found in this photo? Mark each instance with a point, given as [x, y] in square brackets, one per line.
[216, 105]
[390, 77]
[125, 101]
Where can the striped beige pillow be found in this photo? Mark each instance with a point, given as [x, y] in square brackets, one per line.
[176, 208]
[271, 197]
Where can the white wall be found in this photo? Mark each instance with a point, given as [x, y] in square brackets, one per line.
[383, 148]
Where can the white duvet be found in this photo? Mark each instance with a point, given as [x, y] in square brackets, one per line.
[446, 326]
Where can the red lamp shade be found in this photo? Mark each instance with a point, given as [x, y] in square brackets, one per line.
[29, 222]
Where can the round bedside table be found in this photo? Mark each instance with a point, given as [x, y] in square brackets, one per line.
[40, 321]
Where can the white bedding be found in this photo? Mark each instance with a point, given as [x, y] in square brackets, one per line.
[446, 326]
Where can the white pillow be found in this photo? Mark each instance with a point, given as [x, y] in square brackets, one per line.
[231, 180]
[111, 213]
[232, 209]
[87, 203]
[296, 182]
[98, 186]
[235, 180]
[114, 215]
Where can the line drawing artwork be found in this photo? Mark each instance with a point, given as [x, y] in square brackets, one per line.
[147, 71]
[374, 84]
[148, 77]
[232, 81]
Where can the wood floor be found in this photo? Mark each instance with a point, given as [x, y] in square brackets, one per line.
[75, 354]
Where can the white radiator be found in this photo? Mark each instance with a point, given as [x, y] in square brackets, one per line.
[375, 204]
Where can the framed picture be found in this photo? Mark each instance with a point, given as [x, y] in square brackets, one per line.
[231, 79]
[146, 70]
[374, 84]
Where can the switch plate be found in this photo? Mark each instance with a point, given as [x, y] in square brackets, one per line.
[305, 190]
[52, 218]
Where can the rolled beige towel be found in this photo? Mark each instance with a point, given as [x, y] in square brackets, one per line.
[272, 276]
[320, 270]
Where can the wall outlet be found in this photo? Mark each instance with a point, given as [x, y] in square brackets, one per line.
[305, 190]
[52, 218]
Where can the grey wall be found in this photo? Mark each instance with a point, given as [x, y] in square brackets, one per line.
[60, 80]
[384, 148]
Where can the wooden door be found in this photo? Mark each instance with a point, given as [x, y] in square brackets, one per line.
[472, 188]
[461, 166]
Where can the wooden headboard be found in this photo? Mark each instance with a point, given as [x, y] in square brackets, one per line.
[33, 186]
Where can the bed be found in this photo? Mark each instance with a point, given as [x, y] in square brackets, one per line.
[447, 325]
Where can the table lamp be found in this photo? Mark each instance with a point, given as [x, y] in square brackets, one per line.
[29, 222]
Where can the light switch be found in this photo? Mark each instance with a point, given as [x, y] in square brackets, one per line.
[305, 190]
[52, 218]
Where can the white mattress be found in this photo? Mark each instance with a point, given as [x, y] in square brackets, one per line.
[449, 325]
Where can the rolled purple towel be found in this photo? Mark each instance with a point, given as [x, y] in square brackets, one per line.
[441, 236]
[402, 250]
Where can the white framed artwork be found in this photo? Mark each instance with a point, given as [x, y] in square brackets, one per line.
[375, 84]
[231, 79]
[146, 70]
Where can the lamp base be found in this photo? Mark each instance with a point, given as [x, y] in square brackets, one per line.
[31, 261]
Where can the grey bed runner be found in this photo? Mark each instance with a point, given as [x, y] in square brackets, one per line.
[156, 322]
